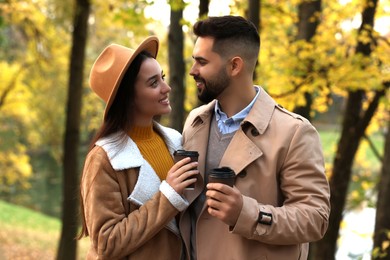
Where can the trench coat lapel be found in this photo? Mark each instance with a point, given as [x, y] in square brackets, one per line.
[198, 141]
[196, 138]
[242, 149]
[240, 153]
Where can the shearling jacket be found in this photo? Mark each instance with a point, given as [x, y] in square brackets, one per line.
[129, 212]
[279, 166]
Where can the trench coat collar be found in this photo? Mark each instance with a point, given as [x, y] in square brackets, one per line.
[259, 115]
[256, 121]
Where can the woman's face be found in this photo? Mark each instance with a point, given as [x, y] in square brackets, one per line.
[151, 92]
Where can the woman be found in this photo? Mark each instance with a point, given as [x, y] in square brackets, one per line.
[131, 189]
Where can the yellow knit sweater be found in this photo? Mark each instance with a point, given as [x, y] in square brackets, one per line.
[153, 149]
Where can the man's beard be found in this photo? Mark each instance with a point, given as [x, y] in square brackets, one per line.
[213, 88]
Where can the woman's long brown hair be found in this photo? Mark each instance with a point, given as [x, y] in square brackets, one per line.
[119, 117]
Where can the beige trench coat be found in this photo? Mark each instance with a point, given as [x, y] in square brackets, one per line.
[129, 213]
[278, 160]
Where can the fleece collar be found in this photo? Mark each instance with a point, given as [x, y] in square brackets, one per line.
[121, 160]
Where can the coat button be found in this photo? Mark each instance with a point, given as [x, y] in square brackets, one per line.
[254, 132]
[242, 174]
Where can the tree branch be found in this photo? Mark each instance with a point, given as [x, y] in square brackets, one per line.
[11, 85]
[373, 148]
[369, 114]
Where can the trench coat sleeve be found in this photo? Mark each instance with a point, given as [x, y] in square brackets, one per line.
[113, 233]
[303, 215]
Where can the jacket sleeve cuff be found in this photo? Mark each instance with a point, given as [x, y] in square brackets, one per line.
[174, 198]
[247, 224]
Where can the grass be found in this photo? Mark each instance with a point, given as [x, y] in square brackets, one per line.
[26, 234]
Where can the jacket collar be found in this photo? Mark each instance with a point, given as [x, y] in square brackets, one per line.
[204, 114]
[260, 115]
[121, 160]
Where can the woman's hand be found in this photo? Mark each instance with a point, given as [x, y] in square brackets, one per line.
[182, 174]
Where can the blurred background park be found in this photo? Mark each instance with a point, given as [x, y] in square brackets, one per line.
[327, 60]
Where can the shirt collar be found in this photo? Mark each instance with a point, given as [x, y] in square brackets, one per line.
[221, 116]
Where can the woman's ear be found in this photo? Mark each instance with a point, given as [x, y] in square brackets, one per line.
[236, 65]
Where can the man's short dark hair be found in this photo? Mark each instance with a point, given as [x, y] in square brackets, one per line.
[233, 35]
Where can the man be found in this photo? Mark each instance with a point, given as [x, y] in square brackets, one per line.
[280, 200]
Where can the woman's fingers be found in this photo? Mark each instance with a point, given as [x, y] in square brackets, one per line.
[182, 174]
[179, 164]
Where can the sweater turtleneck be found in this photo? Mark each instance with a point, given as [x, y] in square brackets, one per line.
[153, 149]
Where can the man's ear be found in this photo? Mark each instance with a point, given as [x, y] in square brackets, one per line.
[236, 65]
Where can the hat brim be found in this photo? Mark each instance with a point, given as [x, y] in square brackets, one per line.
[151, 45]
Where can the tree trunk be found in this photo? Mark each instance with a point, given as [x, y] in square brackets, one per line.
[253, 15]
[353, 129]
[308, 13]
[68, 245]
[203, 12]
[382, 223]
[203, 8]
[176, 66]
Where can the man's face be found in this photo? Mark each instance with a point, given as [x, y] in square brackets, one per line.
[208, 70]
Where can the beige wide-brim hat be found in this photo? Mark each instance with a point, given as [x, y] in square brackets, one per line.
[111, 65]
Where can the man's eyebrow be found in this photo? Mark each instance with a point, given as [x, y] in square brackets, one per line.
[198, 58]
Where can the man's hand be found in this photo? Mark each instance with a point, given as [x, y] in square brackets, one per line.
[224, 202]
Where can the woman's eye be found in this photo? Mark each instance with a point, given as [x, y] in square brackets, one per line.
[163, 77]
[154, 83]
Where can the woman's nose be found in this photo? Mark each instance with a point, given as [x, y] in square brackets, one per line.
[166, 88]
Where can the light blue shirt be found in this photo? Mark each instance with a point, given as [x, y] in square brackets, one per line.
[229, 125]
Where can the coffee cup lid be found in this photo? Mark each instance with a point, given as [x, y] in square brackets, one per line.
[222, 172]
[186, 153]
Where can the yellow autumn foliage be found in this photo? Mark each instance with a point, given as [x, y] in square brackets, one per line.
[15, 168]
